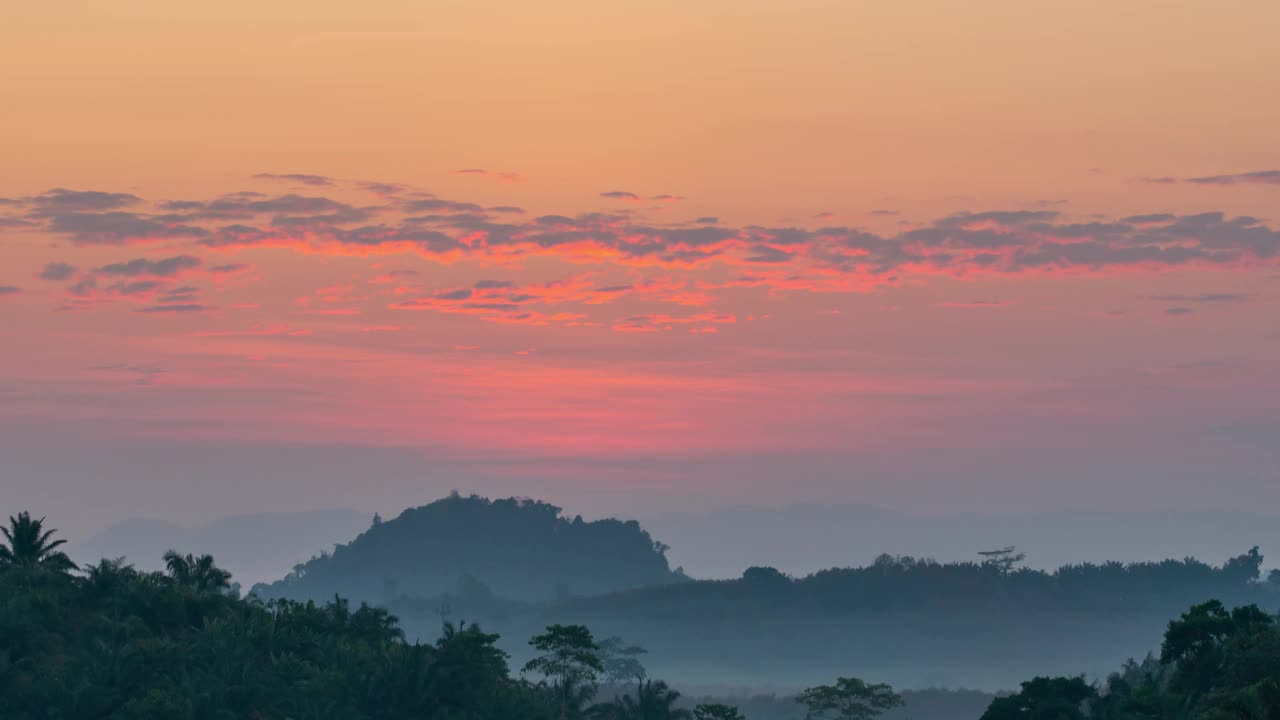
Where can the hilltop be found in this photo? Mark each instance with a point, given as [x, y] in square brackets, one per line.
[518, 565]
[515, 549]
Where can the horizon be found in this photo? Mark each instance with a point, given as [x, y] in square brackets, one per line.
[721, 542]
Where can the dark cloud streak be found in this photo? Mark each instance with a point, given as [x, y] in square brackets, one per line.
[1262, 177]
[57, 272]
[168, 267]
[301, 178]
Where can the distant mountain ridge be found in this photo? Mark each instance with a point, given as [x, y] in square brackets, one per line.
[255, 547]
[801, 539]
[517, 549]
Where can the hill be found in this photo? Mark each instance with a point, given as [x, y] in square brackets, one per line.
[913, 622]
[517, 549]
[800, 539]
[898, 584]
[519, 565]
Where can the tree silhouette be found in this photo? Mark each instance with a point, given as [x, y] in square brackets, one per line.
[848, 699]
[653, 700]
[570, 659]
[468, 669]
[198, 573]
[521, 549]
[717, 711]
[27, 544]
[1044, 698]
[1003, 560]
[1197, 643]
[620, 661]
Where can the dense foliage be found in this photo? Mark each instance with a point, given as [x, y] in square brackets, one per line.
[515, 549]
[118, 643]
[1214, 664]
[122, 644]
[109, 641]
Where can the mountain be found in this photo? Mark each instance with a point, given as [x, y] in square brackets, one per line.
[255, 547]
[517, 549]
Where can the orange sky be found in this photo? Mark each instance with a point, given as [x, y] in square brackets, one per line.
[756, 109]
[924, 234]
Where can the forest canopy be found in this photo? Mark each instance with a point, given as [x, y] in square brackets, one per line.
[109, 641]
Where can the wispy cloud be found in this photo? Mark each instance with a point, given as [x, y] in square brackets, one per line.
[1258, 177]
[500, 176]
[299, 178]
[1261, 177]
[165, 268]
[57, 272]
[177, 308]
[1202, 297]
[692, 264]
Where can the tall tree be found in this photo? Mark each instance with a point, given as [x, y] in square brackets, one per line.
[570, 659]
[848, 699]
[27, 544]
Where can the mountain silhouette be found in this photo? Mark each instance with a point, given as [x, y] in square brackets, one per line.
[517, 549]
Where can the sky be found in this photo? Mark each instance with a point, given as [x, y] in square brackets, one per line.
[933, 256]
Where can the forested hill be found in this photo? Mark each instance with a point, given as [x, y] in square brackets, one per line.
[905, 584]
[517, 549]
[109, 641]
[913, 622]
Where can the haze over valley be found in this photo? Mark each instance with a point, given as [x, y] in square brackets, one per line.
[621, 360]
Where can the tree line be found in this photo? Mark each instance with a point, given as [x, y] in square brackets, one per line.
[513, 556]
[1214, 664]
[110, 641]
[904, 583]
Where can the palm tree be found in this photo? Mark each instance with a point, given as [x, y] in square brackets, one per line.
[108, 576]
[28, 545]
[654, 700]
[196, 572]
[717, 711]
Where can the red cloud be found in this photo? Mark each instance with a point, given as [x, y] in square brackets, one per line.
[689, 264]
